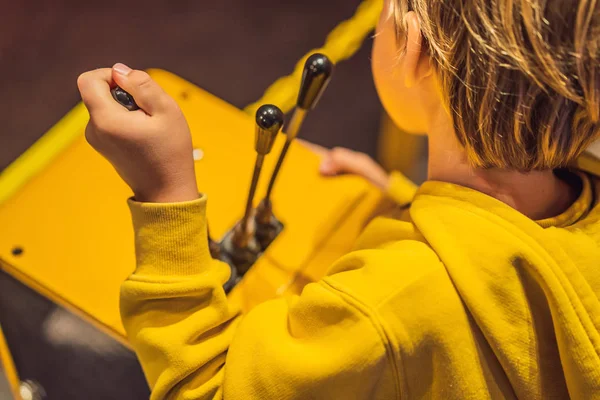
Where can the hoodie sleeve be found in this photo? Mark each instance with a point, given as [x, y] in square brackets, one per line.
[193, 344]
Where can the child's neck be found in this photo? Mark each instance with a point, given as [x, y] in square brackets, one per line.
[538, 195]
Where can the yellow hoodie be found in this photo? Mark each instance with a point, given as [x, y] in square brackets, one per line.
[465, 298]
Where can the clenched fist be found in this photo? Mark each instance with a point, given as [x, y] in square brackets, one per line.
[150, 148]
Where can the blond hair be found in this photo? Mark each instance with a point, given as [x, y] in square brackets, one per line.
[521, 77]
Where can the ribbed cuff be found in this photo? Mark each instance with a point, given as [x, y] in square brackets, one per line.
[401, 189]
[170, 238]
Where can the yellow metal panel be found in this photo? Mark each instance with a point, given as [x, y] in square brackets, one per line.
[42, 153]
[401, 151]
[72, 222]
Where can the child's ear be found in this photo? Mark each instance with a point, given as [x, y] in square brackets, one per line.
[416, 60]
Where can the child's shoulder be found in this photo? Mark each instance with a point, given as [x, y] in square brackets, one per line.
[404, 289]
[408, 269]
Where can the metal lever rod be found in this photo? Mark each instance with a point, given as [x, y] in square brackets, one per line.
[269, 120]
[315, 78]
[255, 176]
[214, 247]
[294, 126]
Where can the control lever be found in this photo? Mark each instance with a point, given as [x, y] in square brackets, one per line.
[241, 246]
[124, 98]
[315, 78]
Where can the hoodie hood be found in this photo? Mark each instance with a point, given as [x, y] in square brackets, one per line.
[540, 282]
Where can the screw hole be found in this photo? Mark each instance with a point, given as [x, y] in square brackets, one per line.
[17, 251]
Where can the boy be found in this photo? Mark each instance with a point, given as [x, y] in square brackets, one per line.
[489, 285]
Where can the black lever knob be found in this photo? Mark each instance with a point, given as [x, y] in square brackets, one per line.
[124, 98]
[269, 120]
[315, 78]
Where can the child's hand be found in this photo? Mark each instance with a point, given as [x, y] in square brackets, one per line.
[340, 161]
[150, 149]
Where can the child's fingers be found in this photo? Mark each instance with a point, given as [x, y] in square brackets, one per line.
[94, 87]
[345, 161]
[146, 92]
[341, 160]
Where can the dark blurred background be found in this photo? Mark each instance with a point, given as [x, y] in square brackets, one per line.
[234, 49]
